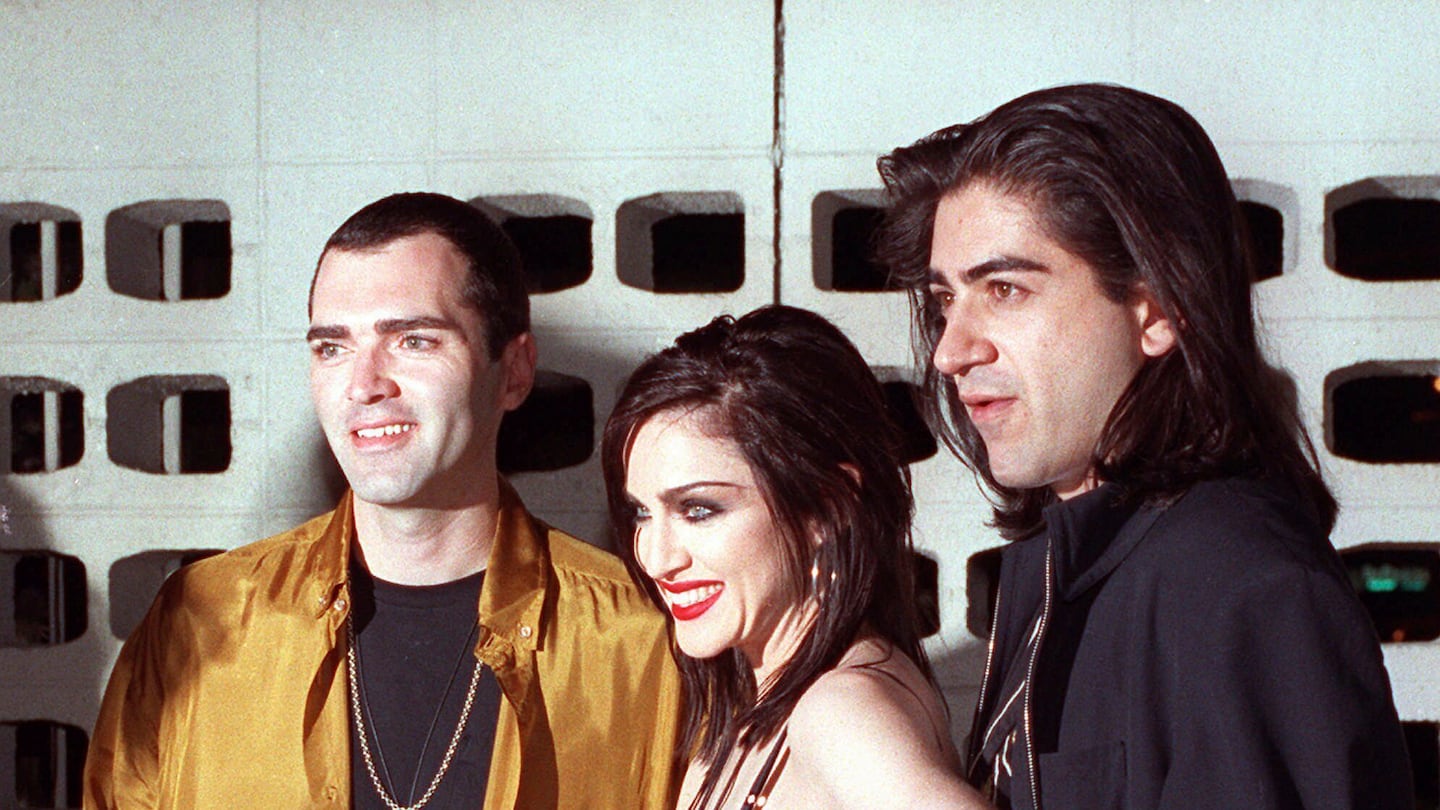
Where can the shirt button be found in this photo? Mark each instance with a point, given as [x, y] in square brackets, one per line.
[525, 631]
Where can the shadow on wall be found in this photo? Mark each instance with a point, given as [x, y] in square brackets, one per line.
[326, 480]
[958, 671]
[53, 655]
[549, 448]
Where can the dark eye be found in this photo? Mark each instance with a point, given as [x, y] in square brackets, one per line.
[414, 342]
[1004, 290]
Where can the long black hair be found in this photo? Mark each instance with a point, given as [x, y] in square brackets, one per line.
[809, 417]
[1130, 183]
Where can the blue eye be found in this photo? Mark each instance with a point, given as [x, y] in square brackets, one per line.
[640, 515]
[697, 512]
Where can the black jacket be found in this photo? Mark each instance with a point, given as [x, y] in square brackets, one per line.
[1209, 654]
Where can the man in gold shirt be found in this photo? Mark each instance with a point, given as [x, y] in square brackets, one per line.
[342, 663]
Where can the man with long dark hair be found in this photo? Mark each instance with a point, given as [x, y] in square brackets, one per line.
[1173, 627]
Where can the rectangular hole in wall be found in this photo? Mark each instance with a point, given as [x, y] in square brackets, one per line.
[42, 256]
[46, 430]
[25, 278]
[556, 251]
[204, 431]
[195, 260]
[553, 429]
[982, 585]
[47, 761]
[1384, 412]
[699, 253]
[552, 234]
[1266, 229]
[682, 242]
[1385, 229]
[902, 399]
[852, 251]
[927, 593]
[169, 250]
[170, 424]
[1399, 585]
[1388, 240]
[48, 598]
[842, 233]
[1266, 208]
[204, 260]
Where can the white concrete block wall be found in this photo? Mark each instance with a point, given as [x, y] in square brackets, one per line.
[295, 114]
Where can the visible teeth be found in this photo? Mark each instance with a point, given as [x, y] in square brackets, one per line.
[377, 432]
[694, 595]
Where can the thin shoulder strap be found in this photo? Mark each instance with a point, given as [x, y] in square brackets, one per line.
[760, 789]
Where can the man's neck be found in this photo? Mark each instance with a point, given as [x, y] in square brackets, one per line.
[418, 546]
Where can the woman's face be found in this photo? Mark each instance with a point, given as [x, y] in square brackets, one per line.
[705, 535]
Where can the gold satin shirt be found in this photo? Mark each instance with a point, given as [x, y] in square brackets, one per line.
[232, 691]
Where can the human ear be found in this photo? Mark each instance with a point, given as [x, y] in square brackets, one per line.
[1157, 333]
[517, 369]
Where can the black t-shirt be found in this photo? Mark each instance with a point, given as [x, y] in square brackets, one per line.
[416, 659]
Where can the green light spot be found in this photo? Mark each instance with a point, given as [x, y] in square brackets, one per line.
[1381, 584]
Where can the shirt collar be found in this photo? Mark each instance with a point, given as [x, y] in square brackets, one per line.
[517, 575]
[1092, 534]
[330, 560]
[516, 578]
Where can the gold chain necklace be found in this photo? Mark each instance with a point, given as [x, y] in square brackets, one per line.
[365, 737]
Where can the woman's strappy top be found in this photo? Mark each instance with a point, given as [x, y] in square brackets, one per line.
[759, 791]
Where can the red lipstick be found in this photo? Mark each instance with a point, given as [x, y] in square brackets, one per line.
[685, 613]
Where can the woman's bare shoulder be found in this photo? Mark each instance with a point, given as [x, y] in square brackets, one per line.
[874, 731]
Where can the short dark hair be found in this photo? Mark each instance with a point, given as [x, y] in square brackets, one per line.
[1130, 183]
[495, 285]
[810, 419]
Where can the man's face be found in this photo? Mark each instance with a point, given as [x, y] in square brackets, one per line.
[401, 375]
[1037, 354]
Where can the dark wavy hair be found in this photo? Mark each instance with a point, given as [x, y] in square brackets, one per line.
[495, 285]
[810, 419]
[1130, 183]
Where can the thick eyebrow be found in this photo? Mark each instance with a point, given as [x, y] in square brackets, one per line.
[388, 326]
[1000, 264]
[325, 332]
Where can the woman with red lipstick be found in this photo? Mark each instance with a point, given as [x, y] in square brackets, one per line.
[756, 494]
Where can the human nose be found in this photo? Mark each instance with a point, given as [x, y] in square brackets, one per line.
[370, 379]
[657, 551]
[963, 345]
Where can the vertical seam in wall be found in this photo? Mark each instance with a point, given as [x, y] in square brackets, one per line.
[777, 145]
[261, 256]
[1132, 58]
[432, 14]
